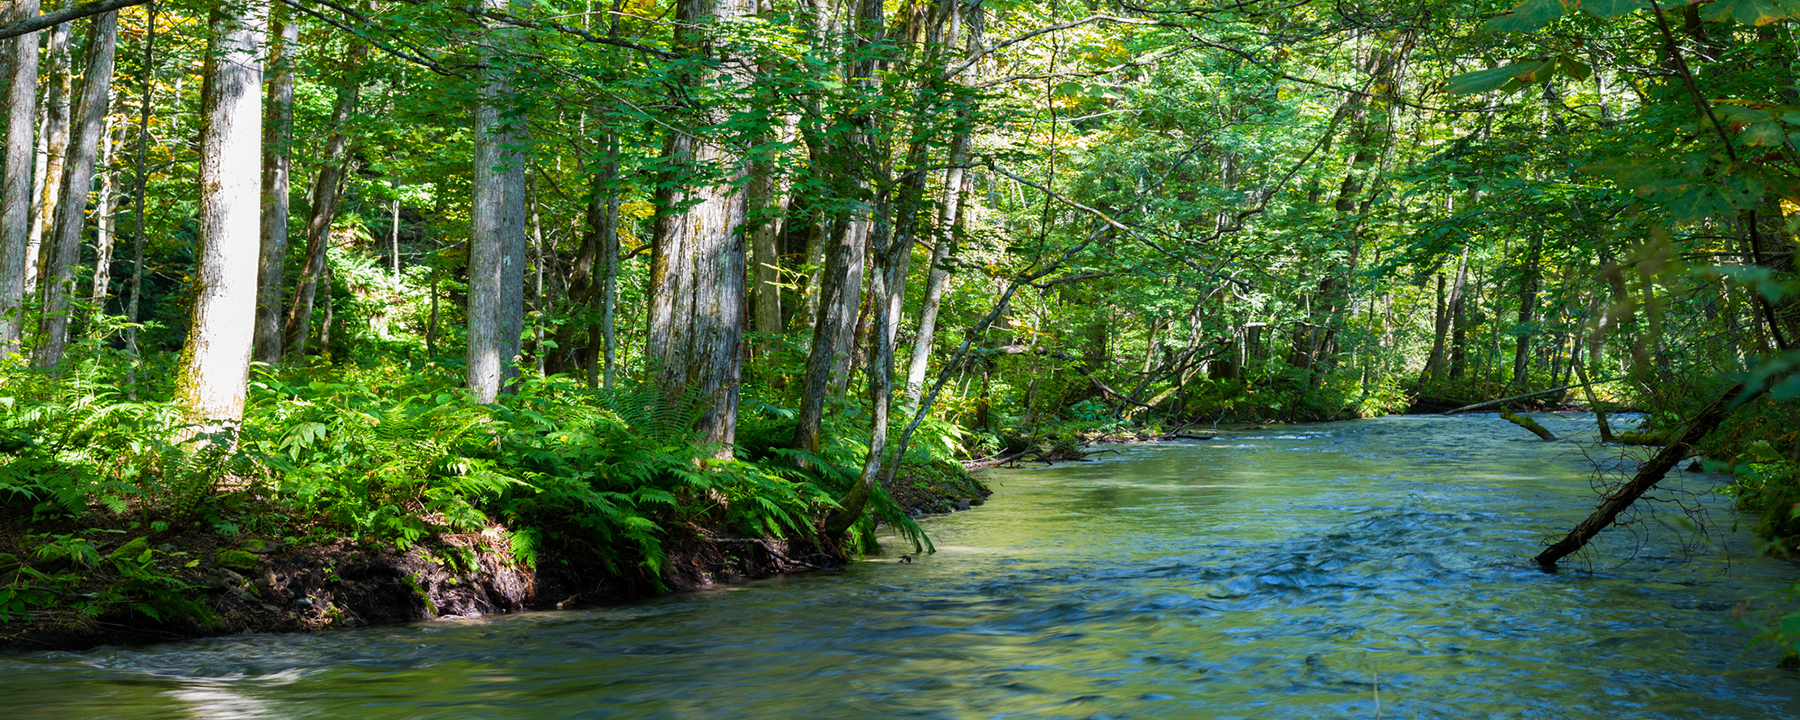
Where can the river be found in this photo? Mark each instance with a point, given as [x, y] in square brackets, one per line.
[1375, 568]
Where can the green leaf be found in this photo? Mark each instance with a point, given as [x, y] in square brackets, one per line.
[1491, 79]
[1568, 65]
[1605, 9]
[1764, 133]
[1751, 12]
[1529, 16]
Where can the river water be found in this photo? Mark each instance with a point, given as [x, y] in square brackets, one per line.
[1376, 568]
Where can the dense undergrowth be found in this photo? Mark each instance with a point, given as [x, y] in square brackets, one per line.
[385, 454]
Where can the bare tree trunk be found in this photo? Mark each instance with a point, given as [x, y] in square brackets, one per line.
[78, 179]
[609, 275]
[53, 142]
[277, 194]
[768, 207]
[1447, 306]
[949, 225]
[1528, 291]
[215, 364]
[15, 191]
[1648, 475]
[146, 100]
[106, 205]
[697, 264]
[394, 233]
[537, 286]
[834, 332]
[497, 232]
[327, 187]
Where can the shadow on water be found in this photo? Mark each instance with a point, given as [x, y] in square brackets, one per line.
[1342, 570]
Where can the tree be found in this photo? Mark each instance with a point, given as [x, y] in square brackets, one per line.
[697, 260]
[278, 132]
[15, 195]
[215, 362]
[78, 178]
[497, 229]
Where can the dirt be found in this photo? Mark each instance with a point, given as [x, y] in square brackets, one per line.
[938, 488]
[282, 586]
[208, 583]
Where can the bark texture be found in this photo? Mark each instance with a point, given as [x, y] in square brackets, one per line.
[17, 183]
[278, 132]
[497, 234]
[53, 147]
[697, 264]
[78, 178]
[215, 363]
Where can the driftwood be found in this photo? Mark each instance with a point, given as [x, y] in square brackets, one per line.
[1648, 474]
[1529, 424]
[1491, 403]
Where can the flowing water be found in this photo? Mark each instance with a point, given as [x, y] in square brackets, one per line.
[1367, 569]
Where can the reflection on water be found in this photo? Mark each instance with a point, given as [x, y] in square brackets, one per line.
[1374, 568]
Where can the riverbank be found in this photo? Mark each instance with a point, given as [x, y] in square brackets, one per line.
[106, 580]
[116, 587]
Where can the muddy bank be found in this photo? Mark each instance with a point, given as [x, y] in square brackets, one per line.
[71, 585]
[940, 487]
[180, 585]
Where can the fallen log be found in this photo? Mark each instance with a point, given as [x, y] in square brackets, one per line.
[1491, 403]
[1529, 424]
[1648, 475]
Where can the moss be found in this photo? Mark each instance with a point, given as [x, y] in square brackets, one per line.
[237, 559]
[131, 549]
[431, 611]
[255, 545]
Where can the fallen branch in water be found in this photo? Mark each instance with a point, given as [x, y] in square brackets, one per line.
[1528, 424]
[1648, 474]
[1491, 403]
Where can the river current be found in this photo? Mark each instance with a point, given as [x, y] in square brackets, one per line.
[1375, 568]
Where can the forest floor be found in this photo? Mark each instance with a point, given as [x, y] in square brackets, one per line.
[75, 584]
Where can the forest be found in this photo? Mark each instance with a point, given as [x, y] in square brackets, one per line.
[608, 285]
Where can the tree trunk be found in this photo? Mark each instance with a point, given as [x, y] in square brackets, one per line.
[943, 246]
[768, 208]
[586, 342]
[609, 287]
[1648, 475]
[215, 363]
[497, 231]
[53, 142]
[834, 330]
[327, 187]
[1528, 291]
[106, 205]
[78, 179]
[16, 188]
[1447, 308]
[276, 185]
[1440, 334]
[146, 102]
[697, 260]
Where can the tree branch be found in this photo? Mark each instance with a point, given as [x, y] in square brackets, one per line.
[67, 14]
